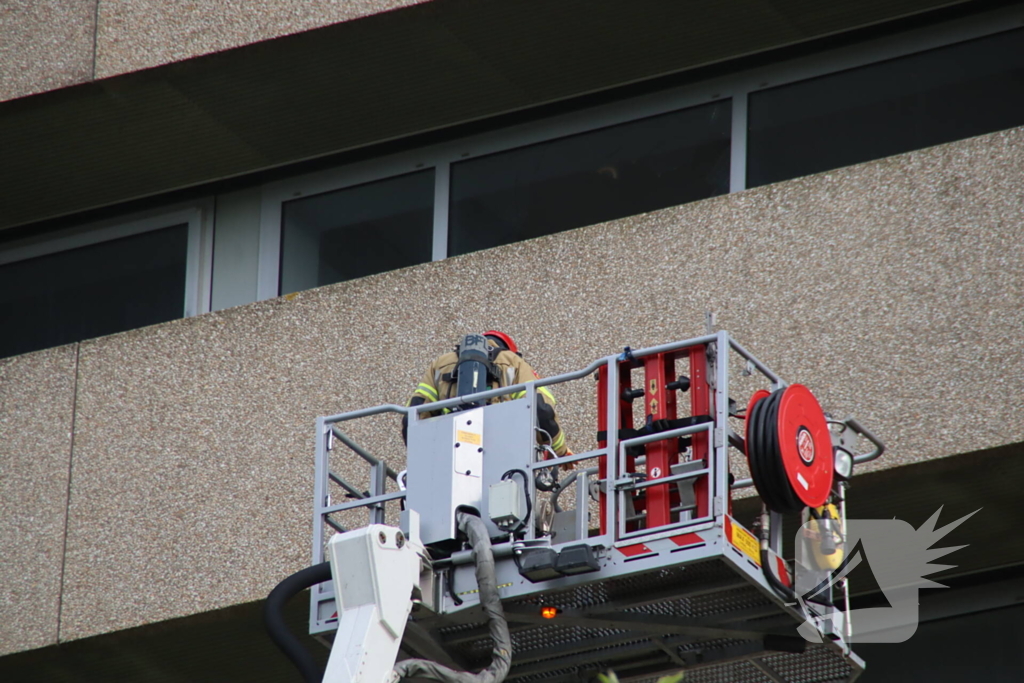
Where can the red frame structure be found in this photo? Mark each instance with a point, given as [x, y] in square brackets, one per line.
[660, 403]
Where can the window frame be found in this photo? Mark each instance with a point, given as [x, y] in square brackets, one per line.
[198, 256]
[440, 157]
[276, 194]
[736, 87]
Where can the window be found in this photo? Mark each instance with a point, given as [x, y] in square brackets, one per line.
[356, 231]
[886, 108]
[589, 178]
[101, 281]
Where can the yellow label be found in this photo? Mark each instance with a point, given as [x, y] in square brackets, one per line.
[468, 437]
[746, 542]
[654, 386]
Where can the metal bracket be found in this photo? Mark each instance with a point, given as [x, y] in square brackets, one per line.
[687, 497]
[737, 441]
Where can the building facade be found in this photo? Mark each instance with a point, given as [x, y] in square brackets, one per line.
[222, 220]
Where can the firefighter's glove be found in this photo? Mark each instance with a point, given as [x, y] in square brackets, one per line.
[568, 466]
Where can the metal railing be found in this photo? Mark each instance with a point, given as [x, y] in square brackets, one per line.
[615, 480]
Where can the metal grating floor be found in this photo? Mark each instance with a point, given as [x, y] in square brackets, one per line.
[707, 594]
[635, 586]
[817, 665]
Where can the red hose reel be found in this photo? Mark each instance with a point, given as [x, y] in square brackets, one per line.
[789, 448]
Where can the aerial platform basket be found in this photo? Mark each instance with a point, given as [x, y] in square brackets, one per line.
[633, 562]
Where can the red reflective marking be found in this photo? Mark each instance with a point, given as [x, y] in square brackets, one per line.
[687, 539]
[634, 550]
[783, 572]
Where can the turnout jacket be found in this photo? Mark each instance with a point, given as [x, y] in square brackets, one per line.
[437, 385]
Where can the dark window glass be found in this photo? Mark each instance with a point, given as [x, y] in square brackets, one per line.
[887, 108]
[92, 291]
[589, 178]
[357, 231]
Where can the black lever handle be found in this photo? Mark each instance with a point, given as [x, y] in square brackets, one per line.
[682, 384]
[631, 394]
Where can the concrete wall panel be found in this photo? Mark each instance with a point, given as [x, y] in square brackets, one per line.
[135, 35]
[194, 453]
[36, 399]
[893, 289]
[46, 44]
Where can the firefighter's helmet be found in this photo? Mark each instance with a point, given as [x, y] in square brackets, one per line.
[502, 339]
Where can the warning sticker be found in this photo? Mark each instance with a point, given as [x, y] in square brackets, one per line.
[744, 541]
[805, 445]
[468, 437]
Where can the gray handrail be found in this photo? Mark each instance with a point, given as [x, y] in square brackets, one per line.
[367, 412]
[738, 348]
[361, 452]
[340, 481]
[665, 435]
[856, 426]
[662, 348]
[542, 382]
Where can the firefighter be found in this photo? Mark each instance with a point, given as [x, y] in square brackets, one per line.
[507, 367]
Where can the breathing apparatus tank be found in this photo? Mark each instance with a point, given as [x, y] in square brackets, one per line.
[475, 369]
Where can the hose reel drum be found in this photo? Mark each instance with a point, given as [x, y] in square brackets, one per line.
[789, 448]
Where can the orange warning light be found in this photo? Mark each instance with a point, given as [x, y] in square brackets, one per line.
[548, 612]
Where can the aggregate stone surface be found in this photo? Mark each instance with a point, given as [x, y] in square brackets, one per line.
[47, 44]
[36, 399]
[134, 34]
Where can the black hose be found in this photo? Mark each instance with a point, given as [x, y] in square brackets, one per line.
[490, 601]
[273, 618]
[766, 466]
[450, 585]
[783, 591]
[562, 485]
[526, 490]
